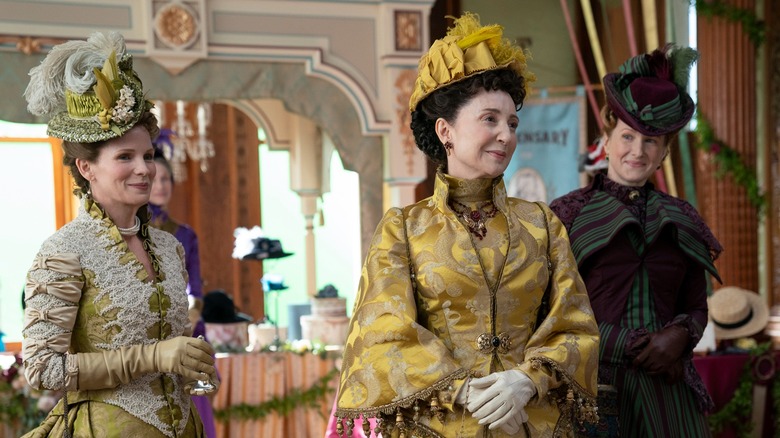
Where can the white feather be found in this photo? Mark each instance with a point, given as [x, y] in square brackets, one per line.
[245, 240]
[69, 66]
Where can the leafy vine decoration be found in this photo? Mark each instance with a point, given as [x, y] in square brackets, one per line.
[737, 412]
[310, 398]
[728, 161]
[751, 24]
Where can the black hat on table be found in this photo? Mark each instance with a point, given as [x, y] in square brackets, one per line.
[264, 248]
[219, 308]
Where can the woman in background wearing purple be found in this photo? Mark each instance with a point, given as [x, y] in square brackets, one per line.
[162, 190]
[644, 256]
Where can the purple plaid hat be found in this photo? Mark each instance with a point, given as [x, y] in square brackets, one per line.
[649, 93]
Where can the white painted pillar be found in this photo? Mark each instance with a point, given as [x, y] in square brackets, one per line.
[306, 179]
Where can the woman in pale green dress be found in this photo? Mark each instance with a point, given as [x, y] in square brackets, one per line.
[106, 302]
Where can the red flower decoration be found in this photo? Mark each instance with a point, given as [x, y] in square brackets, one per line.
[715, 148]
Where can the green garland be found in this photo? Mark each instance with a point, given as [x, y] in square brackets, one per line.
[737, 412]
[298, 347]
[751, 25]
[728, 161]
[310, 398]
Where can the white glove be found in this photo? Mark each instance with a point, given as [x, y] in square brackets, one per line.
[500, 398]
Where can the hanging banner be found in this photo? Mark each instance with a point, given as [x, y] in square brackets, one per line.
[550, 141]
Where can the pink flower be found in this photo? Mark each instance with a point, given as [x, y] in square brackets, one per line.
[19, 384]
[46, 403]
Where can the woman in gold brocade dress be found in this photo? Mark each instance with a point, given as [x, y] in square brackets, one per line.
[106, 303]
[443, 340]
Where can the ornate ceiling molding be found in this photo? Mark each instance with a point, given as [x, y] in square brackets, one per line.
[177, 37]
[29, 44]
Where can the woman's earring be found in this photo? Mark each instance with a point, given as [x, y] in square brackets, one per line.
[448, 148]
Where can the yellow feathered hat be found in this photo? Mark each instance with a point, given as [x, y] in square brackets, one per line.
[469, 48]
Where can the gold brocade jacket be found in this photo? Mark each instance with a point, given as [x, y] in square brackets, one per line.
[411, 346]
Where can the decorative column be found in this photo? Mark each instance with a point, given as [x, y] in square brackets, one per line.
[306, 179]
[405, 165]
[727, 98]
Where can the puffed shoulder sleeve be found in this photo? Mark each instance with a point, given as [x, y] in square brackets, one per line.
[51, 296]
[390, 361]
[568, 207]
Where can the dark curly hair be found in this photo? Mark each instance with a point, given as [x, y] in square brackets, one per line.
[90, 151]
[446, 103]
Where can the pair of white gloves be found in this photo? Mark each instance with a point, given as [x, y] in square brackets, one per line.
[498, 399]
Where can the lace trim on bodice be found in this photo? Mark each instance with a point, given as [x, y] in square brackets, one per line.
[119, 306]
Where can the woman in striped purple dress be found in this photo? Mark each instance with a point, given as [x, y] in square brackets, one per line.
[644, 257]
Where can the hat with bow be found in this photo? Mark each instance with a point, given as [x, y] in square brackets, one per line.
[468, 49]
[649, 93]
[737, 313]
[89, 89]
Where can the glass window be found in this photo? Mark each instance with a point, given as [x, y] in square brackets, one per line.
[28, 218]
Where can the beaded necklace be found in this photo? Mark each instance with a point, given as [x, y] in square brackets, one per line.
[475, 219]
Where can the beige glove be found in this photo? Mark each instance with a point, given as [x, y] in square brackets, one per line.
[189, 357]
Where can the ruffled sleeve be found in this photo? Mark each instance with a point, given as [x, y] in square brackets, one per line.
[561, 356]
[51, 295]
[569, 206]
[385, 345]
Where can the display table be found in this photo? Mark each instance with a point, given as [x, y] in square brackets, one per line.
[721, 375]
[254, 378]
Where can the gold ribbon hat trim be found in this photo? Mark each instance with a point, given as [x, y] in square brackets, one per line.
[89, 88]
[468, 49]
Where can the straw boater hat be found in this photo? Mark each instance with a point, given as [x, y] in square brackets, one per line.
[469, 48]
[650, 93]
[737, 313]
[89, 89]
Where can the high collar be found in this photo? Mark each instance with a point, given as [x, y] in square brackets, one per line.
[449, 187]
[628, 195]
[97, 212]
